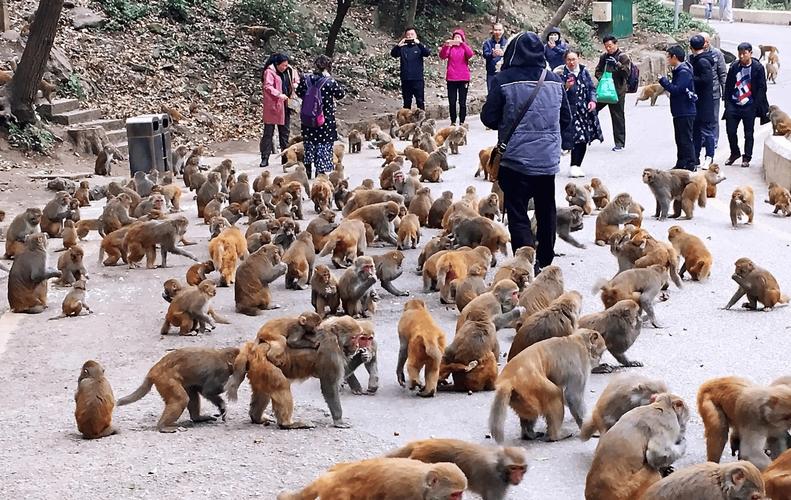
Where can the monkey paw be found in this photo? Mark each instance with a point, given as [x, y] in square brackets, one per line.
[603, 368]
[471, 366]
[371, 391]
[633, 364]
[340, 424]
[666, 471]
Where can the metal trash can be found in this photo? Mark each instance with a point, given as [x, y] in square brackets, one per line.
[148, 137]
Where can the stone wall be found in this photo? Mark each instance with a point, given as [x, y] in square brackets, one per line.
[777, 160]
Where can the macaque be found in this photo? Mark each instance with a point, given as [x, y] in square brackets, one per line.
[94, 402]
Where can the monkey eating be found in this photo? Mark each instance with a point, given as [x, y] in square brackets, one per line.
[758, 284]
[94, 402]
[27, 279]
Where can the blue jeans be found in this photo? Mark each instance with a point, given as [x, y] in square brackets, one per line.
[708, 11]
[717, 103]
[703, 136]
[489, 79]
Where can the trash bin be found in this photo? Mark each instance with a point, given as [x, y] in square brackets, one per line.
[148, 137]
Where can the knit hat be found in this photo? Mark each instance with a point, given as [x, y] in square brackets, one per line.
[697, 42]
[526, 49]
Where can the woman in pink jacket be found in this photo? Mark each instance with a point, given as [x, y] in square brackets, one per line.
[458, 54]
[280, 81]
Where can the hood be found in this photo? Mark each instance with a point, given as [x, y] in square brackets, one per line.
[705, 55]
[460, 32]
[553, 29]
[524, 49]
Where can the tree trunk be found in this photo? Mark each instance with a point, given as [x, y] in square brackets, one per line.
[24, 85]
[335, 29]
[687, 4]
[5, 25]
[564, 8]
[411, 12]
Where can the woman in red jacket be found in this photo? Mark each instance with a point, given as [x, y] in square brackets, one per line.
[280, 82]
[458, 54]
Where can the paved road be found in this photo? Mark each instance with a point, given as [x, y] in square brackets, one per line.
[41, 359]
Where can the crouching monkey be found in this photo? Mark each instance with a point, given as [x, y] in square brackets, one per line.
[95, 402]
[778, 477]
[708, 481]
[758, 284]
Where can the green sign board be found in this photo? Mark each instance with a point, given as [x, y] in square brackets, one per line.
[622, 18]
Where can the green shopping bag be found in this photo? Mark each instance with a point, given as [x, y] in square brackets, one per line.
[605, 91]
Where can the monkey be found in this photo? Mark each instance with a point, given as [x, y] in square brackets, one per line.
[385, 478]
[345, 242]
[776, 477]
[739, 480]
[142, 184]
[600, 193]
[226, 171]
[299, 261]
[179, 159]
[251, 286]
[641, 285]
[369, 197]
[490, 470]
[422, 343]
[27, 279]
[693, 192]
[94, 402]
[697, 258]
[388, 269]
[406, 130]
[772, 69]
[115, 214]
[355, 287]
[114, 245]
[320, 227]
[386, 147]
[21, 227]
[380, 217]
[190, 310]
[456, 138]
[615, 213]
[240, 193]
[656, 252]
[781, 122]
[569, 219]
[466, 289]
[262, 181]
[225, 250]
[293, 188]
[713, 177]
[69, 235]
[780, 197]
[257, 240]
[146, 205]
[620, 326]
[436, 244]
[428, 144]
[364, 356]
[196, 179]
[321, 193]
[421, 205]
[181, 377]
[284, 207]
[454, 265]
[540, 379]
[472, 356]
[197, 272]
[484, 232]
[524, 259]
[82, 194]
[651, 91]
[436, 163]
[324, 291]
[74, 301]
[408, 232]
[579, 196]
[501, 303]
[391, 172]
[71, 267]
[559, 319]
[355, 138]
[208, 191]
[104, 161]
[116, 189]
[623, 393]
[292, 155]
[442, 135]
[142, 240]
[642, 443]
[667, 186]
[489, 207]
[54, 213]
[742, 202]
[544, 289]
[758, 284]
[767, 49]
[484, 156]
[300, 175]
[416, 156]
[407, 186]
[756, 416]
[232, 213]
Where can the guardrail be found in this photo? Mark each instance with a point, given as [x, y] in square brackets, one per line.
[781, 17]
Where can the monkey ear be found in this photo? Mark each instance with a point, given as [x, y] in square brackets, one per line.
[678, 405]
[432, 478]
[302, 320]
[738, 477]
[594, 335]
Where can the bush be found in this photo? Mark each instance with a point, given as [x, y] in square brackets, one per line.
[768, 4]
[281, 15]
[72, 87]
[122, 12]
[30, 138]
[655, 17]
[582, 35]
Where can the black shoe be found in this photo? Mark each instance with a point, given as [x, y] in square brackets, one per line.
[732, 159]
[746, 164]
[264, 163]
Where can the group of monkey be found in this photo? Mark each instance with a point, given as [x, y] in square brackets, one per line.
[641, 426]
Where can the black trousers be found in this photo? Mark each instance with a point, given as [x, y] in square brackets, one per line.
[457, 91]
[266, 145]
[618, 116]
[732, 127]
[685, 146]
[578, 153]
[518, 190]
[410, 89]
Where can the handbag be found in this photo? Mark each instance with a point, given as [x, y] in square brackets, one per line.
[605, 90]
[497, 153]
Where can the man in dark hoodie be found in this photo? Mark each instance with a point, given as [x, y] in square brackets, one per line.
[411, 53]
[745, 99]
[619, 64]
[682, 106]
[555, 49]
[532, 158]
[703, 67]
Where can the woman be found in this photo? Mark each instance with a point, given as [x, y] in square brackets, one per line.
[458, 55]
[319, 140]
[554, 49]
[581, 93]
[279, 81]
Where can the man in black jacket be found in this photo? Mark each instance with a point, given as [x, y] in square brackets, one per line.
[703, 66]
[411, 53]
[619, 64]
[745, 99]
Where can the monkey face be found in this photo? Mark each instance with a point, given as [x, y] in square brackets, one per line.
[328, 215]
[648, 175]
[737, 196]
[674, 232]
[208, 288]
[515, 473]
[744, 266]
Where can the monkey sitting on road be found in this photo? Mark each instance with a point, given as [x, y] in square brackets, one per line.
[737, 481]
[27, 279]
[557, 320]
[94, 402]
[190, 308]
[74, 302]
[620, 326]
[758, 284]
[364, 356]
[780, 197]
[615, 213]
[471, 359]
[641, 285]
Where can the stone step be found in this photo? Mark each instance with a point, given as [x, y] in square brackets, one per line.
[114, 136]
[58, 106]
[77, 116]
[123, 147]
[107, 124]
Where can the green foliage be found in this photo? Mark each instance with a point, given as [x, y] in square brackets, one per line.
[281, 15]
[382, 71]
[768, 4]
[122, 12]
[655, 17]
[347, 42]
[72, 87]
[582, 34]
[30, 138]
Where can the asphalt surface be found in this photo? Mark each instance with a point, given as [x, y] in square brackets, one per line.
[44, 456]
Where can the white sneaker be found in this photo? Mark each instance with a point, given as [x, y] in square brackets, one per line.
[707, 162]
[576, 171]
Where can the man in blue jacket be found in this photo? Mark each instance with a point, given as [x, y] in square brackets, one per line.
[745, 99]
[493, 50]
[411, 53]
[682, 106]
[532, 158]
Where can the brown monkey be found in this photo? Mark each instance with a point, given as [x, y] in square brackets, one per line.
[54, 213]
[104, 161]
[620, 326]
[286, 234]
[85, 226]
[708, 481]
[262, 181]
[546, 287]
[364, 356]
[472, 356]
[489, 207]
[767, 48]
[355, 138]
[142, 240]
[464, 290]
[667, 186]
[524, 260]
[742, 202]
[409, 232]
[94, 402]
[615, 213]
[285, 207]
[147, 205]
[780, 197]
[190, 310]
[758, 284]
[382, 478]
[320, 227]
[355, 287]
[777, 477]
[483, 163]
[756, 416]
[83, 194]
[345, 242]
[369, 197]
[321, 193]
[240, 192]
[558, 320]
[484, 232]
[713, 177]
[71, 267]
[454, 265]
[436, 163]
[116, 189]
[436, 244]
[213, 208]
[421, 205]
[208, 190]
[657, 252]
[697, 258]
[380, 217]
[416, 156]
[438, 210]
[299, 261]
[391, 174]
[540, 378]
[781, 122]
[114, 245]
[640, 285]
[388, 269]
[27, 279]
[651, 91]
[225, 250]
[69, 235]
[232, 213]
[600, 193]
[115, 214]
[197, 272]
[694, 192]
[422, 343]
[630, 456]
[579, 196]
[501, 303]
[251, 286]
[407, 186]
[181, 377]
[23, 225]
[324, 291]
[457, 137]
[257, 240]
[623, 393]
[490, 470]
[74, 301]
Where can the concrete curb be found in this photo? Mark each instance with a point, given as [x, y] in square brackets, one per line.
[781, 17]
[777, 160]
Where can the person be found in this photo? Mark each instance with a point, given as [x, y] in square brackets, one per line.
[745, 99]
[458, 54]
[411, 54]
[707, 4]
[726, 10]
[619, 64]
[555, 49]
[532, 157]
[319, 140]
[581, 93]
[279, 81]
[705, 122]
[682, 106]
[720, 73]
[493, 50]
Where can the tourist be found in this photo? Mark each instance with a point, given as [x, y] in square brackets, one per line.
[532, 156]
[457, 75]
[745, 99]
[682, 106]
[319, 140]
[493, 50]
[726, 10]
[707, 5]
[555, 49]
[705, 122]
[411, 53]
[581, 94]
[280, 82]
[720, 73]
[619, 64]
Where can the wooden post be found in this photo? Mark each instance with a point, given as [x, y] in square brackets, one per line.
[5, 24]
[497, 16]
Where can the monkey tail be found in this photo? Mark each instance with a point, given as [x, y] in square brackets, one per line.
[587, 429]
[702, 198]
[101, 254]
[240, 365]
[446, 276]
[502, 397]
[329, 246]
[403, 452]
[141, 391]
[598, 285]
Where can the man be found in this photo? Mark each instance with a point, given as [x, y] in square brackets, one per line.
[726, 10]
[705, 122]
[682, 106]
[745, 99]
[493, 50]
[619, 64]
[532, 158]
[411, 53]
[720, 73]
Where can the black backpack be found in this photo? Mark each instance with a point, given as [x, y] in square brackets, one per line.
[634, 79]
